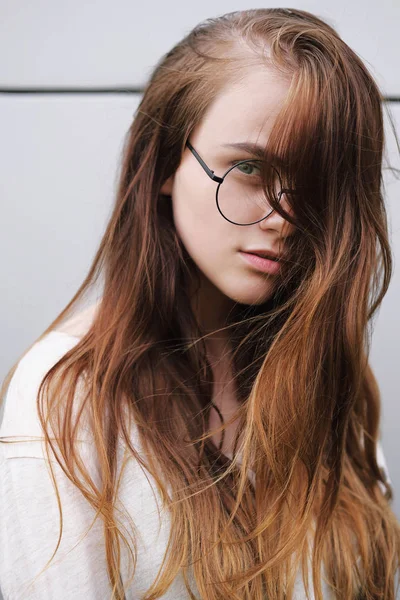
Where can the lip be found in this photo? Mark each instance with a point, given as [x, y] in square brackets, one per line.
[264, 253]
[261, 264]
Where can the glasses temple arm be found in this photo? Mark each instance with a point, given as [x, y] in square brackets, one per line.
[209, 172]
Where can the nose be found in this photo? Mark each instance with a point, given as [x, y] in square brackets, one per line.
[277, 222]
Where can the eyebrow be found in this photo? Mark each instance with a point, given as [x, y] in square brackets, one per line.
[254, 150]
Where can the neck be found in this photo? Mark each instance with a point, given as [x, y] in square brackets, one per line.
[211, 308]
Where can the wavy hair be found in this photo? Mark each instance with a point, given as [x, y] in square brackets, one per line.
[309, 404]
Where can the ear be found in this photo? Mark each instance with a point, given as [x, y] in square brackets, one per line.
[166, 188]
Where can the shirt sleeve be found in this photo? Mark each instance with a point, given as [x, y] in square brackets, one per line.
[30, 516]
[29, 530]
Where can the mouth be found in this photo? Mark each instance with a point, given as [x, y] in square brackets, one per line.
[264, 255]
[262, 263]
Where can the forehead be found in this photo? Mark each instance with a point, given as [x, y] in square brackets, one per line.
[244, 111]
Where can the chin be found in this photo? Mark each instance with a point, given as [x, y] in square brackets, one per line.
[254, 298]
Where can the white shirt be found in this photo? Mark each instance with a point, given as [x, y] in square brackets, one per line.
[29, 513]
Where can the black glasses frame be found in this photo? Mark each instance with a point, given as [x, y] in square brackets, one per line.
[220, 181]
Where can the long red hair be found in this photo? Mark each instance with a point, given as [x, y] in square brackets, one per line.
[310, 406]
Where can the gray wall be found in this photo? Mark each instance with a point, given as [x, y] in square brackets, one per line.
[59, 152]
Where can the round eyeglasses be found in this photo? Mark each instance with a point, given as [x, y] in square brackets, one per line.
[241, 199]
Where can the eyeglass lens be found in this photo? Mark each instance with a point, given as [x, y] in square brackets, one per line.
[241, 197]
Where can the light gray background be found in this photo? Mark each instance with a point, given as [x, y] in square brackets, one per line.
[59, 152]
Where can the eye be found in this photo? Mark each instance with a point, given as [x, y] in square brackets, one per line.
[247, 168]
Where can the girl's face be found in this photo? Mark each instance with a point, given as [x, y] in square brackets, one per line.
[244, 112]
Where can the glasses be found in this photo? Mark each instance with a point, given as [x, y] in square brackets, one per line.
[242, 199]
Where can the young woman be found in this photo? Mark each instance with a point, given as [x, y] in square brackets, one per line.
[209, 427]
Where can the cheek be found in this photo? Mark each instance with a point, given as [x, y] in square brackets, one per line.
[194, 226]
[192, 198]
[196, 217]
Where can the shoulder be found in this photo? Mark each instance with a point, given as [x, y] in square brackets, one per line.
[80, 323]
[20, 414]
